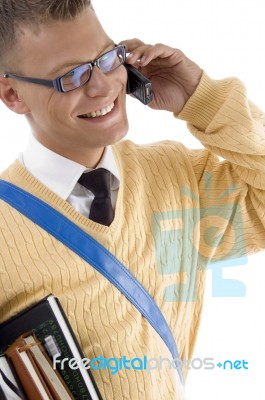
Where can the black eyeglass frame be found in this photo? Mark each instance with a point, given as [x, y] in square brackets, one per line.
[56, 83]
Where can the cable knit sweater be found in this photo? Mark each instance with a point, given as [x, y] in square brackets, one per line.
[178, 212]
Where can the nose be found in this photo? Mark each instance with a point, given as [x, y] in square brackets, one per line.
[99, 84]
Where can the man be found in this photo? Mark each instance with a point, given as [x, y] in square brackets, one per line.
[165, 198]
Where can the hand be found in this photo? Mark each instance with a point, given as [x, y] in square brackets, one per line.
[174, 77]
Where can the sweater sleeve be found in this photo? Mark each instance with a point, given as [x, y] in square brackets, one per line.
[232, 166]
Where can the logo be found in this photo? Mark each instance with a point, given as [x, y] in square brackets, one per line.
[208, 235]
[114, 365]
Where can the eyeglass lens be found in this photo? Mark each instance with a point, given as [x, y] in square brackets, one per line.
[80, 75]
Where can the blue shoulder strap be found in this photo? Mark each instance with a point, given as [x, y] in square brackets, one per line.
[95, 254]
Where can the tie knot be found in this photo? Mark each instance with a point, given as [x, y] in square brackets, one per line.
[97, 181]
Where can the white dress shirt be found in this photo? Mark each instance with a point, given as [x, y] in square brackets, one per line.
[60, 174]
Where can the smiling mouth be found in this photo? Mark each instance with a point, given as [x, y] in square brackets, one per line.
[98, 113]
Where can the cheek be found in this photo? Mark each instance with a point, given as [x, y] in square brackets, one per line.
[60, 106]
[42, 102]
[123, 76]
[122, 80]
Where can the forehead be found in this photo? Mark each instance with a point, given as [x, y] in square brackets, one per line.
[61, 42]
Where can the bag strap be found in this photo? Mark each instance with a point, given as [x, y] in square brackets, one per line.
[95, 254]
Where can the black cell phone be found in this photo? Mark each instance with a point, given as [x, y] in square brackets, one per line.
[138, 85]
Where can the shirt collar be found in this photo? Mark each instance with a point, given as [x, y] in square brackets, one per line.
[60, 174]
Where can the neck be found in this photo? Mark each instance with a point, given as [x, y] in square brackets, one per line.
[87, 157]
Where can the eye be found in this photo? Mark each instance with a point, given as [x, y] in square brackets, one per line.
[108, 61]
[76, 77]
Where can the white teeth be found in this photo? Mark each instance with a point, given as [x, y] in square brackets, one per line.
[99, 113]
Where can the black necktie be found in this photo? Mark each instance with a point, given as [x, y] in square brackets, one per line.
[98, 182]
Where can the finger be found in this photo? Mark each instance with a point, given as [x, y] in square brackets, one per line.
[144, 54]
[132, 44]
[137, 53]
[157, 53]
[135, 48]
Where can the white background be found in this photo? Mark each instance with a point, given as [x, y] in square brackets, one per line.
[226, 38]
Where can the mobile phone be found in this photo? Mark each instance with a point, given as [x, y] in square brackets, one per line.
[138, 85]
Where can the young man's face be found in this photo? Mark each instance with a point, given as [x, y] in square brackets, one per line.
[55, 117]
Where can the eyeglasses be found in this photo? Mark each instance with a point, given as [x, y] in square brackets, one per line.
[80, 75]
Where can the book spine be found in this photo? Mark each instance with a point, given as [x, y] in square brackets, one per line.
[51, 376]
[18, 358]
[73, 378]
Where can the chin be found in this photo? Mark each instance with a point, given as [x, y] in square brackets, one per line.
[118, 134]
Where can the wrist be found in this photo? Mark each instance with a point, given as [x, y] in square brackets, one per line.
[206, 101]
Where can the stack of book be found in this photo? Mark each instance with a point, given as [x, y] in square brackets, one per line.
[29, 344]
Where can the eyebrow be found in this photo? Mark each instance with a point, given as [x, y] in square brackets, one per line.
[78, 62]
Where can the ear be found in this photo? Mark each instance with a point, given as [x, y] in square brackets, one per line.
[11, 98]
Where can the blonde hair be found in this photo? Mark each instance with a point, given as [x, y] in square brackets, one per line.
[18, 14]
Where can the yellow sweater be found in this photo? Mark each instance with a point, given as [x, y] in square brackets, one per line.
[170, 201]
